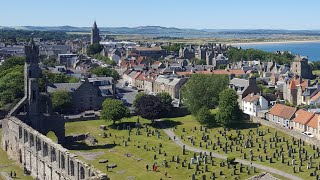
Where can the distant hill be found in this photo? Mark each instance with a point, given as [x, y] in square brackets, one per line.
[170, 31]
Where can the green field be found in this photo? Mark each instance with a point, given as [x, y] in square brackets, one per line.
[131, 166]
[189, 123]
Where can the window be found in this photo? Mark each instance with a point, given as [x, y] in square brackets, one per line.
[25, 136]
[63, 164]
[72, 168]
[45, 149]
[53, 155]
[31, 140]
[20, 132]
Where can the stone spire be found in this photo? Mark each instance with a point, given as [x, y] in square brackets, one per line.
[95, 36]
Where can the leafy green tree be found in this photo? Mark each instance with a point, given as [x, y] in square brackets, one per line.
[104, 71]
[61, 101]
[137, 98]
[203, 90]
[49, 62]
[198, 61]
[114, 110]
[11, 84]
[94, 49]
[204, 116]
[166, 101]
[105, 59]
[12, 62]
[229, 111]
[149, 107]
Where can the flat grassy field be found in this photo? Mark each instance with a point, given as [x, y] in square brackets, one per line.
[7, 165]
[131, 160]
[189, 124]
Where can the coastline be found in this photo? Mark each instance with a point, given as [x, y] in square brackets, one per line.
[275, 42]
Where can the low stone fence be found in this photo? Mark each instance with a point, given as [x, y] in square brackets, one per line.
[291, 132]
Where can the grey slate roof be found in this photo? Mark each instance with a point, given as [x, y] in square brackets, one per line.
[69, 87]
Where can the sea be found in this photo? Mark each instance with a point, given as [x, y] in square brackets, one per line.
[310, 49]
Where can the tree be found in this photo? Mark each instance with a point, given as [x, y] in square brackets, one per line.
[94, 49]
[104, 71]
[203, 90]
[61, 101]
[166, 102]
[229, 111]
[114, 110]
[12, 62]
[149, 107]
[51, 62]
[105, 59]
[137, 98]
[198, 61]
[204, 116]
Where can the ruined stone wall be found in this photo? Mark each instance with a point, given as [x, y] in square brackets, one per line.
[43, 158]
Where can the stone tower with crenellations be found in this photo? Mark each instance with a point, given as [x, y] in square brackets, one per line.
[95, 37]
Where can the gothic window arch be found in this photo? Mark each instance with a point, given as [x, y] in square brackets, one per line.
[82, 174]
[31, 140]
[63, 163]
[53, 155]
[20, 132]
[72, 168]
[45, 149]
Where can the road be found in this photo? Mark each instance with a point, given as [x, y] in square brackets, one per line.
[126, 93]
[220, 156]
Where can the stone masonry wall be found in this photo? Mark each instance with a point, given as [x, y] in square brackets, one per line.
[43, 158]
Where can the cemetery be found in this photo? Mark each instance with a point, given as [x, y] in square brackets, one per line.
[125, 149]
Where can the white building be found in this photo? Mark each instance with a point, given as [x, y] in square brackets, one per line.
[252, 104]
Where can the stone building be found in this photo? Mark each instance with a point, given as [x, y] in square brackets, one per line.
[88, 94]
[25, 127]
[244, 87]
[169, 84]
[95, 36]
[301, 67]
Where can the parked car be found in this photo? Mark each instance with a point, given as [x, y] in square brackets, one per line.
[308, 134]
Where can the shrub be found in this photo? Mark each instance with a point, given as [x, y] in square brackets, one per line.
[231, 159]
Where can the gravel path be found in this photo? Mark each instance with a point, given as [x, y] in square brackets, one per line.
[265, 168]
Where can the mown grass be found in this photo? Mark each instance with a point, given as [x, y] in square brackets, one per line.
[128, 166]
[189, 123]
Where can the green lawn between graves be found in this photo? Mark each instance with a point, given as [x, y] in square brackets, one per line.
[188, 122]
[7, 165]
[128, 166]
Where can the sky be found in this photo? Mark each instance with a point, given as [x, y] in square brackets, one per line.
[197, 14]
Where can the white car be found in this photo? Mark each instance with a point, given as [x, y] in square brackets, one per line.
[308, 134]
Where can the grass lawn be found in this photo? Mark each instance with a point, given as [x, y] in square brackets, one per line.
[189, 123]
[7, 165]
[132, 166]
[316, 72]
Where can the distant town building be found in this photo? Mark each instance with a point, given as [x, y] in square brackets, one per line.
[95, 37]
[68, 60]
[301, 67]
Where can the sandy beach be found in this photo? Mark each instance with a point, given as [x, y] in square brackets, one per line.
[274, 42]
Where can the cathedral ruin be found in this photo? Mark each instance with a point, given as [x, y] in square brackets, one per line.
[25, 128]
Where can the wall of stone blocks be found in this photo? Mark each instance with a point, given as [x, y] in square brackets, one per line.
[43, 158]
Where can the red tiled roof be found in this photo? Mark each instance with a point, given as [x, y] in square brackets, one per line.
[282, 111]
[303, 117]
[313, 122]
[251, 98]
[228, 72]
[136, 75]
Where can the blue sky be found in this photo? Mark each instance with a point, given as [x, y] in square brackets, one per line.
[199, 14]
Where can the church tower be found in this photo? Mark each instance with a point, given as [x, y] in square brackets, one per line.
[95, 37]
[32, 73]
